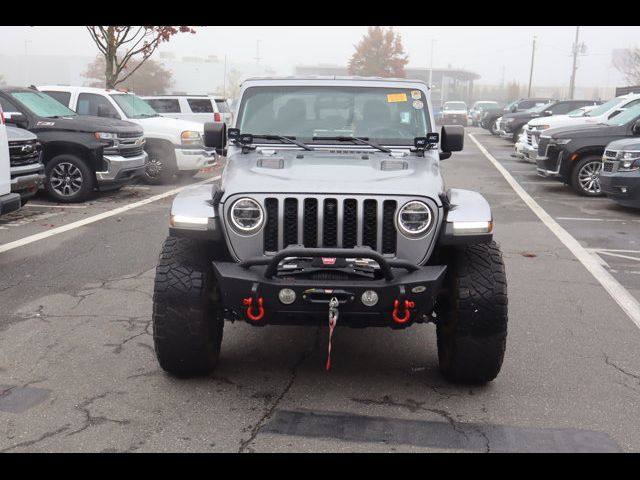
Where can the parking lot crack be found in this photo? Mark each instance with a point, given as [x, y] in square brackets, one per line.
[42, 437]
[244, 444]
[94, 420]
[609, 362]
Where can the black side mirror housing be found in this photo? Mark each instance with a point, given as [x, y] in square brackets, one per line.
[451, 139]
[514, 109]
[16, 118]
[215, 136]
[636, 127]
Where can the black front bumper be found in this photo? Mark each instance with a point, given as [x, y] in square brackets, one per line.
[415, 288]
[623, 188]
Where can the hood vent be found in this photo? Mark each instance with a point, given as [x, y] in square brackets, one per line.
[275, 163]
[392, 165]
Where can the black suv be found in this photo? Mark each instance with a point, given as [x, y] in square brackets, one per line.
[512, 123]
[573, 154]
[80, 153]
[490, 117]
[620, 174]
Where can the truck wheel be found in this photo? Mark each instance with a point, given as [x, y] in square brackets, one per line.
[68, 179]
[159, 168]
[493, 128]
[472, 318]
[187, 314]
[584, 177]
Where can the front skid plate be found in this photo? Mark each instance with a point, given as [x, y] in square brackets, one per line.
[237, 283]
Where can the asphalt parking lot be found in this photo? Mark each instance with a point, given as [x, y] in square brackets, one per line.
[78, 371]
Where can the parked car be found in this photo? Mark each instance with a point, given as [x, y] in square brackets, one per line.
[25, 156]
[9, 202]
[80, 153]
[197, 108]
[620, 173]
[301, 231]
[454, 113]
[174, 147]
[490, 117]
[573, 154]
[512, 124]
[478, 108]
[597, 115]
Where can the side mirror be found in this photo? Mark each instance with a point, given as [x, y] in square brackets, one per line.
[548, 113]
[15, 118]
[514, 109]
[452, 138]
[215, 136]
[105, 111]
[636, 127]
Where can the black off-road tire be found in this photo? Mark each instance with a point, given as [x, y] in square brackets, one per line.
[188, 317]
[594, 161]
[161, 168]
[472, 316]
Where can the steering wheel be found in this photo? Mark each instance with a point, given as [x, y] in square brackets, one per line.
[394, 132]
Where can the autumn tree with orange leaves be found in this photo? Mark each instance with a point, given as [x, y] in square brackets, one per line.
[379, 54]
[120, 44]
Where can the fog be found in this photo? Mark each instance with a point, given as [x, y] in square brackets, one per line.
[496, 53]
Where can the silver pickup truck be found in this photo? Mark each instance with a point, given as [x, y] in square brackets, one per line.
[332, 209]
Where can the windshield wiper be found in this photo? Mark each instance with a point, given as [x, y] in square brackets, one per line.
[357, 140]
[283, 139]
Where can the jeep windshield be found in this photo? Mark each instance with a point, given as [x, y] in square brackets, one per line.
[388, 116]
[43, 105]
[133, 106]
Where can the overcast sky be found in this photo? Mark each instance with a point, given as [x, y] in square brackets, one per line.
[485, 50]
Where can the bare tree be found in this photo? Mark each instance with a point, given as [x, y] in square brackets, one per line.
[120, 44]
[627, 62]
[151, 79]
[379, 53]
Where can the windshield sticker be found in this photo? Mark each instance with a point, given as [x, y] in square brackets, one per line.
[417, 104]
[396, 97]
[45, 124]
[416, 94]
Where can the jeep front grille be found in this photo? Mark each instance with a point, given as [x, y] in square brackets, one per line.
[330, 222]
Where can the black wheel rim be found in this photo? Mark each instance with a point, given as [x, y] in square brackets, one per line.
[66, 179]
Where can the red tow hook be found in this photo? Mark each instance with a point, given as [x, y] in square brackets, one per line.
[248, 302]
[406, 314]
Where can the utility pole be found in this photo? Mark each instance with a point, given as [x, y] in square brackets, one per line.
[576, 49]
[433, 41]
[533, 54]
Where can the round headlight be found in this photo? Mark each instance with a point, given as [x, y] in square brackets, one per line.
[414, 219]
[246, 216]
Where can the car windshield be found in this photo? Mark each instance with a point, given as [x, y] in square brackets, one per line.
[604, 108]
[578, 112]
[625, 117]
[540, 108]
[383, 115]
[455, 106]
[133, 106]
[42, 104]
[483, 105]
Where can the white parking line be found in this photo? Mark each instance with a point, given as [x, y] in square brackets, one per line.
[618, 293]
[39, 205]
[582, 219]
[95, 218]
[618, 255]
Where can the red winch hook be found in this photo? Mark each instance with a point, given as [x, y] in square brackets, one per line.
[407, 313]
[248, 302]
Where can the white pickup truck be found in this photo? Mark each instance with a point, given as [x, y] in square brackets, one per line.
[8, 201]
[175, 147]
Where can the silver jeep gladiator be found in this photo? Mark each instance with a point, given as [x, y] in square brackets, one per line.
[332, 209]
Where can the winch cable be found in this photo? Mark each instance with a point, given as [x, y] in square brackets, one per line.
[333, 321]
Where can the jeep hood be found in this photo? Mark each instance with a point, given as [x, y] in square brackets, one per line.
[326, 172]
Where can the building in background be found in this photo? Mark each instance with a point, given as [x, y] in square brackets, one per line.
[447, 83]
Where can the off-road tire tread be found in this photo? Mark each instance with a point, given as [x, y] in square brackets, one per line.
[472, 335]
[187, 322]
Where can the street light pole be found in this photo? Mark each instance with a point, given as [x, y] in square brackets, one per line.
[576, 47]
[433, 41]
[533, 54]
